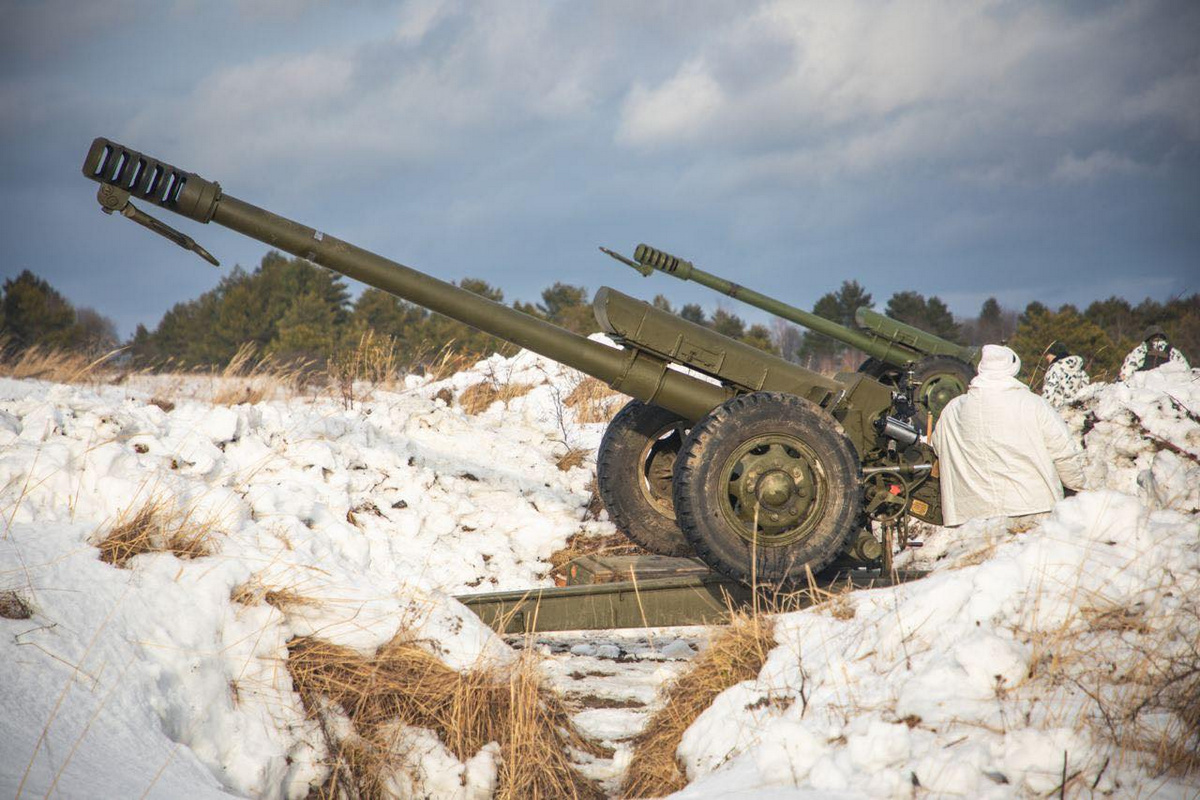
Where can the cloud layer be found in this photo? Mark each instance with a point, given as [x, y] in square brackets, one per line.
[972, 144]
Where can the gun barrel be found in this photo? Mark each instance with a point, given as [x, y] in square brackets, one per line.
[904, 335]
[637, 373]
[892, 345]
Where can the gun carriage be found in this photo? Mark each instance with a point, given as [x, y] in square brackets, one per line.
[938, 370]
[762, 468]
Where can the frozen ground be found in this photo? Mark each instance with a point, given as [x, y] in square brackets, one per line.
[973, 682]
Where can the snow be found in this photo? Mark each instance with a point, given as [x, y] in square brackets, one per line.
[151, 680]
[950, 682]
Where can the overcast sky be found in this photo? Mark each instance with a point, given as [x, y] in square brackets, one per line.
[1024, 150]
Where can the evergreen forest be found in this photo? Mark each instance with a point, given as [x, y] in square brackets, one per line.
[293, 312]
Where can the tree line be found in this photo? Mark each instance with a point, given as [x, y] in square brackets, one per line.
[295, 312]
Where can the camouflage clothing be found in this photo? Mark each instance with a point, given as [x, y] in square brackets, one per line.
[1064, 378]
[1137, 360]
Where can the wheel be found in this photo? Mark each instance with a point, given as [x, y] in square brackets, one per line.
[633, 472]
[766, 484]
[941, 379]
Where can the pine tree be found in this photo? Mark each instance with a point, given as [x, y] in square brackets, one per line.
[386, 315]
[760, 336]
[692, 312]
[990, 325]
[568, 307]
[1116, 317]
[36, 314]
[1040, 328]
[307, 330]
[839, 307]
[931, 316]
[728, 324]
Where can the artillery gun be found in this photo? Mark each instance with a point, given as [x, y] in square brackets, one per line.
[762, 468]
[940, 369]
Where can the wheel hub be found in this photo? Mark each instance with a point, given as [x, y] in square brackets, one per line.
[774, 495]
[775, 488]
[938, 390]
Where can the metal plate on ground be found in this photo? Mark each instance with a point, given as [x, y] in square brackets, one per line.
[657, 602]
[611, 569]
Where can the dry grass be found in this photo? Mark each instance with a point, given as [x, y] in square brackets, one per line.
[445, 362]
[50, 364]
[1140, 674]
[582, 544]
[249, 380]
[157, 526]
[574, 457]
[737, 654]
[594, 401]
[403, 685]
[373, 361]
[255, 591]
[478, 397]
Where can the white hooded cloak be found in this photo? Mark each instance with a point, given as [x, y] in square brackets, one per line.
[1002, 450]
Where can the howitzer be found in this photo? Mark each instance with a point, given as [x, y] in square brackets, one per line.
[760, 467]
[941, 370]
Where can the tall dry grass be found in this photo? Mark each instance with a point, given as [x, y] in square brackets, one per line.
[373, 362]
[53, 364]
[594, 401]
[1139, 672]
[445, 361]
[403, 684]
[735, 655]
[478, 397]
[156, 526]
[249, 379]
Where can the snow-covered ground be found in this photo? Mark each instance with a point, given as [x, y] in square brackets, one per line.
[992, 676]
[972, 682]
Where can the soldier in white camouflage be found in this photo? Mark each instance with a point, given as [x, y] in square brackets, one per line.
[1065, 376]
[1154, 351]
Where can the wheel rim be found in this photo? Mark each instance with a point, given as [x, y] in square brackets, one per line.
[657, 461]
[777, 481]
[939, 389]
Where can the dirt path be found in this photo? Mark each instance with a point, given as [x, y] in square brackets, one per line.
[612, 678]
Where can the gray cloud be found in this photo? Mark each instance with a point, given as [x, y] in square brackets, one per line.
[968, 149]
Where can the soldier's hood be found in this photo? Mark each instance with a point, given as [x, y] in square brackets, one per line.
[1152, 331]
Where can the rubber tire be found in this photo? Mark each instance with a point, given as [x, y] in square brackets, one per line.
[699, 487]
[939, 365]
[619, 476]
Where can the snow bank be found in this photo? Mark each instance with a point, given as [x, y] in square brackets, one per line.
[975, 681]
[970, 682]
[151, 678]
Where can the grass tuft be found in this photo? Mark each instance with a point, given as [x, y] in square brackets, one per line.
[254, 591]
[156, 527]
[449, 360]
[51, 364]
[735, 655]
[574, 457]
[1140, 673]
[373, 361]
[248, 380]
[584, 544]
[594, 401]
[478, 397]
[402, 684]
